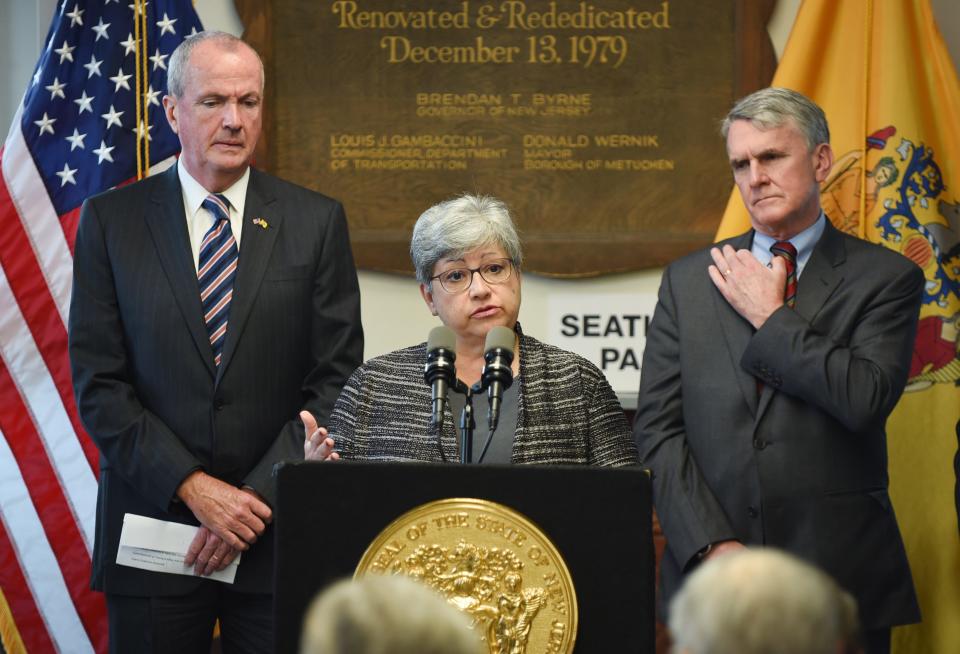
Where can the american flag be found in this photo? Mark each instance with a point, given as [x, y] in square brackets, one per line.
[91, 118]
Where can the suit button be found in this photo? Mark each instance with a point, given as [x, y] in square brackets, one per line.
[218, 404]
[759, 443]
[752, 511]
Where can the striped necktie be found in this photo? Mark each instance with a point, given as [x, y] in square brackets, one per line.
[786, 250]
[216, 271]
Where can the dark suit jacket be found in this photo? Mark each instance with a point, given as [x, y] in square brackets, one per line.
[146, 386]
[802, 467]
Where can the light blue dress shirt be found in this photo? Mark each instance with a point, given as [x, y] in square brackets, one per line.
[805, 241]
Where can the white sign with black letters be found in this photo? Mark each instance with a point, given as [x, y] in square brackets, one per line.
[608, 329]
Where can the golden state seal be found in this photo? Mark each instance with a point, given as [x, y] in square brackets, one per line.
[490, 562]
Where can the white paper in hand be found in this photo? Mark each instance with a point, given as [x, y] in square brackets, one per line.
[161, 546]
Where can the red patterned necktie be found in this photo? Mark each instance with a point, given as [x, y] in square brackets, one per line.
[216, 271]
[786, 250]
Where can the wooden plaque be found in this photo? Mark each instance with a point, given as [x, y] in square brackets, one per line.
[596, 121]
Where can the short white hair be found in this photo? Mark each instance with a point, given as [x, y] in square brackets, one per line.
[178, 68]
[774, 106]
[759, 601]
[452, 228]
[385, 615]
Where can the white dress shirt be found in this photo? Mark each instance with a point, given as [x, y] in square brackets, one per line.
[199, 220]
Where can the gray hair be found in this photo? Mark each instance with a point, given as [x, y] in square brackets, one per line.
[454, 227]
[759, 601]
[178, 68]
[772, 107]
[377, 614]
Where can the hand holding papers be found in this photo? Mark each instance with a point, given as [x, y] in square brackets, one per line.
[161, 546]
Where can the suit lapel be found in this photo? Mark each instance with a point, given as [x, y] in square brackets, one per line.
[737, 333]
[168, 228]
[822, 274]
[256, 245]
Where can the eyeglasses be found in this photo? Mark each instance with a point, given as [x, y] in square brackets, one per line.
[458, 280]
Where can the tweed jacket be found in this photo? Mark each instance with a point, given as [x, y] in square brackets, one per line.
[567, 412]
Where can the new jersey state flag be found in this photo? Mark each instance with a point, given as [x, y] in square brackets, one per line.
[881, 72]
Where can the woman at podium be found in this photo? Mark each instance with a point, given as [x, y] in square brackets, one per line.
[552, 406]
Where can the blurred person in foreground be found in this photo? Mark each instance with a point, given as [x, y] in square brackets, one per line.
[758, 601]
[559, 410]
[772, 362]
[385, 615]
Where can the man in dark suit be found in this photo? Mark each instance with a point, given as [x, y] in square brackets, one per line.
[211, 303]
[768, 376]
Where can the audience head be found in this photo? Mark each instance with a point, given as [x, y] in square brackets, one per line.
[759, 601]
[385, 615]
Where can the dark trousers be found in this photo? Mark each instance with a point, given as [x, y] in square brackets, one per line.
[183, 624]
[876, 641]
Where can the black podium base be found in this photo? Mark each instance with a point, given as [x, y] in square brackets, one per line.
[598, 518]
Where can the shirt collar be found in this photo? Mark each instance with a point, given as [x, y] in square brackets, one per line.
[194, 194]
[805, 241]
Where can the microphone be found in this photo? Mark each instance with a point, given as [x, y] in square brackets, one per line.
[439, 371]
[497, 374]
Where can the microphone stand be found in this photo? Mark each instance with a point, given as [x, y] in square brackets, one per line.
[467, 424]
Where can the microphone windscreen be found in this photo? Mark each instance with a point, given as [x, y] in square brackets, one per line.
[501, 338]
[441, 337]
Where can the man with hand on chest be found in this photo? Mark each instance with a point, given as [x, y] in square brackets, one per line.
[771, 365]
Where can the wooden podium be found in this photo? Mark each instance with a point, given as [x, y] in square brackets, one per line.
[599, 520]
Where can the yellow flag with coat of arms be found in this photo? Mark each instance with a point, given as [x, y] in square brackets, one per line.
[881, 72]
